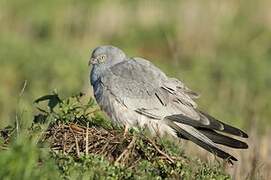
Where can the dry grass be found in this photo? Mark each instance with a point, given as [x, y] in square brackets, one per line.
[116, 146]
[253, 163]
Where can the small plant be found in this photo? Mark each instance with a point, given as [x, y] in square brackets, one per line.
[69, 110]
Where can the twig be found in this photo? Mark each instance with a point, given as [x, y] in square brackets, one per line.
[131, 152]
[56, 148]
[76, 143]
[96, 144]
[160, 151]
[104, 148]
[135, 163]
[77, 128]
[70, 149]
[87, 140]
[64, 145]
[112, 148]
[127, 149]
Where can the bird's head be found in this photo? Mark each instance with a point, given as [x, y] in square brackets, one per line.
[106, 56]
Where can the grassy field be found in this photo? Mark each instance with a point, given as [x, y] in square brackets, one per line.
[220, 49]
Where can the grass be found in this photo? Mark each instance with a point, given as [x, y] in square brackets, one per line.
[219, 49]
[56, 147]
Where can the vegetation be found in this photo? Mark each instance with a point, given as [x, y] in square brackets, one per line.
[219, 49]
[68, 139]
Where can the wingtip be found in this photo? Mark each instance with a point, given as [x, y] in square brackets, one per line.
[243, 145]
[244, 135]
[230, 159]
[246, 147]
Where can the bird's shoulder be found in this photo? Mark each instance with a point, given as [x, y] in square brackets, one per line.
[134, 78]
[139, 78]
[137, 69]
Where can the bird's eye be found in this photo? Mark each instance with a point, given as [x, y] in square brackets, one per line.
[102, 58]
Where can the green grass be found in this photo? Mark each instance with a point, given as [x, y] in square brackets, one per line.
[224, 55]
[25, 154]
[219, 49]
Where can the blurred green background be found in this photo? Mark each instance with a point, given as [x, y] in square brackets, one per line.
[220, 49]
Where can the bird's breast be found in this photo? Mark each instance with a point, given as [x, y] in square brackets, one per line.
[98, 91]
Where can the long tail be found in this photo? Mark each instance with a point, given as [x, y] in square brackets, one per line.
[205, 135]
[212, 124]
[222, 139]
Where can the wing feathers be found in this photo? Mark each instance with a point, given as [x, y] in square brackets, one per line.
[227, 128]
[213, 124]
[200, 139]
[222, 139]
[145, 89]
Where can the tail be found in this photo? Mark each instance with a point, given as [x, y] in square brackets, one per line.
[212, 123]
[206, 136]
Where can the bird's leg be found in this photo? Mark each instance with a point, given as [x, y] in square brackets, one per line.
[126, 129]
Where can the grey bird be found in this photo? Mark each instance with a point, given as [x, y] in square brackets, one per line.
[135, 93]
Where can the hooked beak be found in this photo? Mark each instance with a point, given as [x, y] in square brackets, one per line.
[92, 61]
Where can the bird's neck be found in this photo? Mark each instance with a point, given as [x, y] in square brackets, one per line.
[97, 71]
[96, 74]
[95, 80]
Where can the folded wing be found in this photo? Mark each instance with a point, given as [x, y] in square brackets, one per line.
[145, 89]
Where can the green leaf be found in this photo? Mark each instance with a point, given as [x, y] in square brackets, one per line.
[53, 100]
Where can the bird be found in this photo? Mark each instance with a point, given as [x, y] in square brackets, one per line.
[133, 92]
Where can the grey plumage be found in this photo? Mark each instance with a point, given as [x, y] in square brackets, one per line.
[133, 92]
